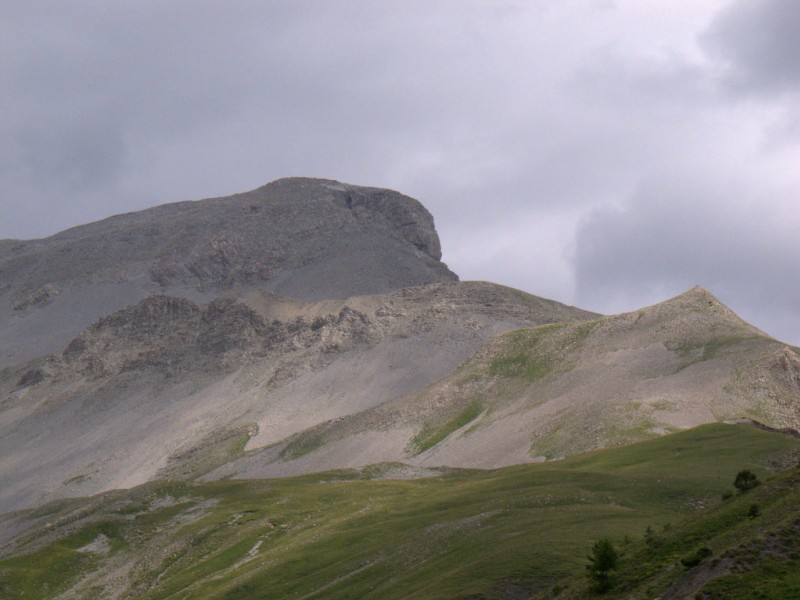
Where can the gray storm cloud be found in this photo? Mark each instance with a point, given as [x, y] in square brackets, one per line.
[602, 153]
[676, 232]
[759, 40]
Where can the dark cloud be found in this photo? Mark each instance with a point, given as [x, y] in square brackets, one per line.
[681, 230]
[77, 157]
[760, 41]
[513, 122]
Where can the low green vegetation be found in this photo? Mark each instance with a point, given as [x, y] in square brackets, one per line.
[511, 532]
[533, 353]
[47, 572]
[745, 480]
[701, 351]
[211, 452]
[522, 357]
[745, 546]
[431, 435]
[302, 444]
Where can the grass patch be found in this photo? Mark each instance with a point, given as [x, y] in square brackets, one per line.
[743, 556]
[51, 570]
[664, 405]
[520, 365]
[302, 444]
[465, 533]
[75, 480]
[522, 357]
[216, 450]
[698, 352]
[430, 436]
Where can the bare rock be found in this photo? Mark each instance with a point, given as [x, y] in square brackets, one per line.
[309, 239]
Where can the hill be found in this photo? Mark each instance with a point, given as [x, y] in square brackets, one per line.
[555, 390]
[506, 533]
[744, 546]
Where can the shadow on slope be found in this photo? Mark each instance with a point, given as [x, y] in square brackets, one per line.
[490, 534]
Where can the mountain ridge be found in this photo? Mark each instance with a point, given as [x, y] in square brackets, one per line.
[300, 237]
[556, 390]
[233, 380]
[167, 376]
[309, 327]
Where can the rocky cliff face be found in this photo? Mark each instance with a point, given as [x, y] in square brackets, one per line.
[178, 337]
[564, 388]
[304, 238]
[161, 388]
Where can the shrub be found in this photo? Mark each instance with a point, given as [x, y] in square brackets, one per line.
[602, 561]
[694, 559]
[745, 480]
[753, 511]
[650, 537]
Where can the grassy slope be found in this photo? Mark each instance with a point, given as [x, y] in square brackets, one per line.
[323, 536]
[727, 551]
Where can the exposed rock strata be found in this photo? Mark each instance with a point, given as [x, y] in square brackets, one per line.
[168, 380]
[305, 238]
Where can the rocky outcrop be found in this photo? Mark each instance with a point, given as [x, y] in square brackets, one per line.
[178, 336]
[303, 238]
[246, 239]
[39, 297]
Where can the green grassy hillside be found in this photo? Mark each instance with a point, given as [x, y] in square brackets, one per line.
[506, 533]
[745, 546]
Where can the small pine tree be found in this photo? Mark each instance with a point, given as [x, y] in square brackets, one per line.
[602, 561]
[745, 480]
[650, 537]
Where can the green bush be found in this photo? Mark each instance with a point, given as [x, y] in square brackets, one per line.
[602, 562]
[696, 558]
[745, 480]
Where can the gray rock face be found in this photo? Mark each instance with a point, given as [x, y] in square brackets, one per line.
[310, 239]
[143, 390]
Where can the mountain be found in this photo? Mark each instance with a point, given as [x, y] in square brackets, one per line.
[163, 363]
[207, 372]
[306, 238]
[555, 390]
[172, 388]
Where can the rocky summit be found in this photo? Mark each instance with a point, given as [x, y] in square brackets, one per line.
[305, 238]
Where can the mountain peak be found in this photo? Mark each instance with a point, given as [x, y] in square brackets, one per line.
[404, 216]
[304, 238]
[698, 299]
[699, 296]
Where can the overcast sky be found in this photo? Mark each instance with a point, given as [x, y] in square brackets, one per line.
[604, 153]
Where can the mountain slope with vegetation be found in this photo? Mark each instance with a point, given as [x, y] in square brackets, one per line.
[505, 533]
[172, 388]
[745, 546]
[560, 389]
[286, 393]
